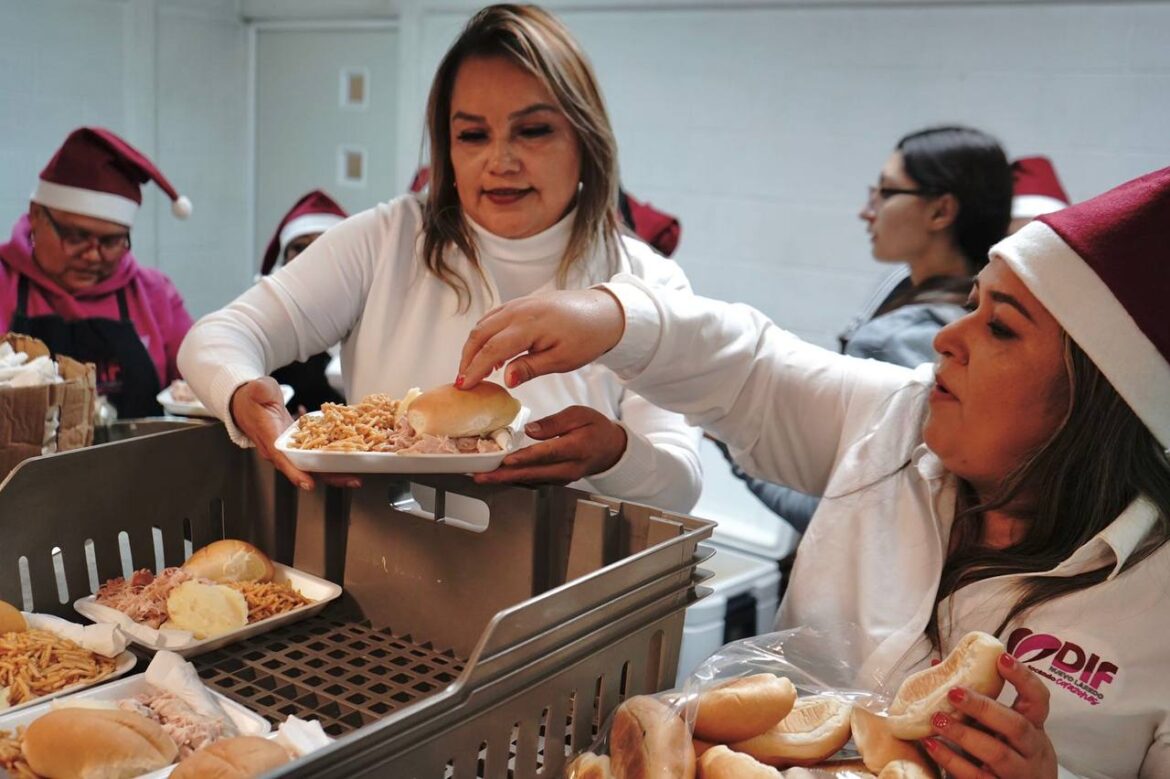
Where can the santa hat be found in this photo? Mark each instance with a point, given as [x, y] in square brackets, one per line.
[1036, 189]
[98, 174]
[316, 212]
[1102, 268]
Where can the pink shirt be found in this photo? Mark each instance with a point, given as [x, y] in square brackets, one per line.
[156, 308]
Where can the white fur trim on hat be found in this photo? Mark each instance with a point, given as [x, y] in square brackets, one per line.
[307, 225]
[1030, 206]
[88, 202]
[1093, 317]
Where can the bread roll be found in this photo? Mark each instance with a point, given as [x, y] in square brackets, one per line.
[590, 766]
[971, 664]
[446, 411]
[649, 741]
[96, 744]
[815, 729]
[231, 560]
[11, 620]
[206, 610]
[878, 746]
[907, 769]
[852, 769]
[719, 762]
[743, 708]
[242, 757]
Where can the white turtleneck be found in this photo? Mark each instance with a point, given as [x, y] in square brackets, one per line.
[364, 284]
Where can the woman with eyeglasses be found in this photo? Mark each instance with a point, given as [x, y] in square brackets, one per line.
[943, 197]
[68, 277]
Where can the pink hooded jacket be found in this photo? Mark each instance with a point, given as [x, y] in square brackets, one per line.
[156, 308]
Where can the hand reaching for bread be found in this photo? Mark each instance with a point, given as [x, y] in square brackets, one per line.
[1009, 742]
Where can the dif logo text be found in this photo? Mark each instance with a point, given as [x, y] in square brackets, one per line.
[1081, 672]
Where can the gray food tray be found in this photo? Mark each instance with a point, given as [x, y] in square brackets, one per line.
[547, 616]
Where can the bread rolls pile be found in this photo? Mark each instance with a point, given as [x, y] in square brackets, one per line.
[752, 727]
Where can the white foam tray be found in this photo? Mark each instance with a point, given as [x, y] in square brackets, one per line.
[316, 461]
[247, 721]
[182, 408]
[317, 590]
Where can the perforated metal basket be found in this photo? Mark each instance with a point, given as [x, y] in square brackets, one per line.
[460, 649]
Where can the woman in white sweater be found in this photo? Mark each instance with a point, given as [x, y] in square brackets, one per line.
[1020, 488]
[522, 201]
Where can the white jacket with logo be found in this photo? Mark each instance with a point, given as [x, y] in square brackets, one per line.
[868, 568]
[363, 283]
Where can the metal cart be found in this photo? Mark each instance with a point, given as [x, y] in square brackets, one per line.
[487, 648]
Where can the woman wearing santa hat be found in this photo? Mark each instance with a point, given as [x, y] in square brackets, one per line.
[1020, 486]
[522, 200]
[68, 277]
[1036, 191]
[313, 214]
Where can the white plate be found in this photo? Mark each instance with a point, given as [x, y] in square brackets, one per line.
[317, 461]
[194, 408]
[123, 662]
[319, 591]
[247, 721]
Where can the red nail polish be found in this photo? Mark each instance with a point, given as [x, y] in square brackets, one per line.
[957, 694]
[1006, 660]
[940, 721]
[930, 744]
[459, 381]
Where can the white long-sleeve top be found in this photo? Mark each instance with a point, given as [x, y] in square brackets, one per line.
[363, 283]
[868, 568]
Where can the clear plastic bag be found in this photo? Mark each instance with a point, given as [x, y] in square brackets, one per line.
[660, 736]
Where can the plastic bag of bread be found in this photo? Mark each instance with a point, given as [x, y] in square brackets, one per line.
[784, 705]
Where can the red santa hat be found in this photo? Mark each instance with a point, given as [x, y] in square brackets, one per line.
[1102, 268]
[98, 174]
[1036, 189]
[316, 212]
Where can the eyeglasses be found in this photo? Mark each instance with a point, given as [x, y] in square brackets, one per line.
[76, 241]
[882, 194]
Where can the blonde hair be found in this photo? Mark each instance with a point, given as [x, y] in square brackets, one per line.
[537, 42]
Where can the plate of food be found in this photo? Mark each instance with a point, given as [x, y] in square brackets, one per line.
[442, 430]
[179, 400]
[137, 726]
[42, 657]
[227, 591]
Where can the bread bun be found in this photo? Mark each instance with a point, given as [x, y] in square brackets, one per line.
[813, 731]
[96, 744]
[971, 664]
[231, 560]
[719, 762]
[743, 708]
[851, 769]
[446, 411]
[590, 766]
[649, 741]
[907, 769]
[206, 610]
[242, 757]
[11, 620]
[878, 746]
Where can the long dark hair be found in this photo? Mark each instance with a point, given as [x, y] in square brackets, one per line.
[536, 42]
[972, 166]
[1100, 459]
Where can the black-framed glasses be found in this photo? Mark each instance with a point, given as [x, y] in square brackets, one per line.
[75, 240]
[882, 194]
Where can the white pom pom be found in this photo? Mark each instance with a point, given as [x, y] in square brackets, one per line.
[181, 207]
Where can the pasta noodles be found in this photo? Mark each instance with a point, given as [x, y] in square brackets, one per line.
[37, 662]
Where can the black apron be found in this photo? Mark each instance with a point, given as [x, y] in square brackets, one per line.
[125, 371]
